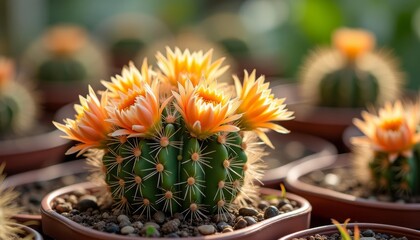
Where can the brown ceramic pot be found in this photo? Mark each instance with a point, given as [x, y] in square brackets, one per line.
[32, 152]
[29, 232]
[329, 204]
[377, 228]
[41, 175]
[291, 149]
[61, 228]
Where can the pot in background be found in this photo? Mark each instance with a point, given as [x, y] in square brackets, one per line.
[329, 204]
[377, 228]
[42, 175]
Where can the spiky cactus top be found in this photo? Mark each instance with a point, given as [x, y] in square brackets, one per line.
[390, 149]
[175, 140]
[351, 73]
[18, 108]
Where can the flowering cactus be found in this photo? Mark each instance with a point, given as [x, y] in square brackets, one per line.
[18, 107]
[174, 139]
[350, 73]
[391, 138]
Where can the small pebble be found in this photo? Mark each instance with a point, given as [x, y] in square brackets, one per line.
[222, 225]
[286, 208]
[283, 202]
[241, 223]
[270, 212]
[112, 228]
[137, 224]
[250, 220]
[85, 204]
[159, 217]
[206, 229]
[228, 229]
[171, 226]
[263, 205]
[127, 230]
[123, 218]
[63, 207]
[247, 211]
[368, 233]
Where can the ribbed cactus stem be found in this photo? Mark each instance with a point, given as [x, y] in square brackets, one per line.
[61, 69]
[399, 178]
[348, 87]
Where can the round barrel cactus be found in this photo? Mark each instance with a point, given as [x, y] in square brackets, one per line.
[18, 108]
[176, 140]
[390, 149]
[351, 73]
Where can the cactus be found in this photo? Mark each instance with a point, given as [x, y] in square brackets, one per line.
[351, 73]
[8, 209]
[18, 109]
[64, 54]
[390, 149]
[191, 150]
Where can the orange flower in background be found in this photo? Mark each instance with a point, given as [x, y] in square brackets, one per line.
[205, 109]
[65, 39]
[392, 131]
[130, 77]
[353, 42]
[7, 71]
[259, 107]
[89, 128]
[178, 67]
[138, 112]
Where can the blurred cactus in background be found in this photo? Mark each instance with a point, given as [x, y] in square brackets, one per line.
[126, 35]
[390, 149]
[351, 73]
[18, 107]
[175, 139]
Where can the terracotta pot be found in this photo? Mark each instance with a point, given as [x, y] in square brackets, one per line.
[29, 231]
[41, 175]
[291, 149]
[61, 228]
[329, 204]
[33, 152]
[377, 228]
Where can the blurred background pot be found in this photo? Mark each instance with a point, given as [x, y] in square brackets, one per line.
[33, 185]
[377, 228]
[329, 203]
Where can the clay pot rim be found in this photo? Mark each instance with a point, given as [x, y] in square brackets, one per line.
[36, 234]
[323, 162]
[46, 210]
[39, 142]
[377, 227]
[319, 146]
[43, 174]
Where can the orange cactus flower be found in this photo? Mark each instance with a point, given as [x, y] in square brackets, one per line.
[179, 66]
[7, 71]
[138, 112]
[129, 78]
[392, 131]
[89, 128]
[353, 42]
[259, 107]
[205, 109]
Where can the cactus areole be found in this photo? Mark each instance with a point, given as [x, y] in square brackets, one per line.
[176, 140]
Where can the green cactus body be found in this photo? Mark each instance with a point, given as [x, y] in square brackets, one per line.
[18, 110]
[61, 69]
[348, 87]
[398, 178]
[146, 175]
